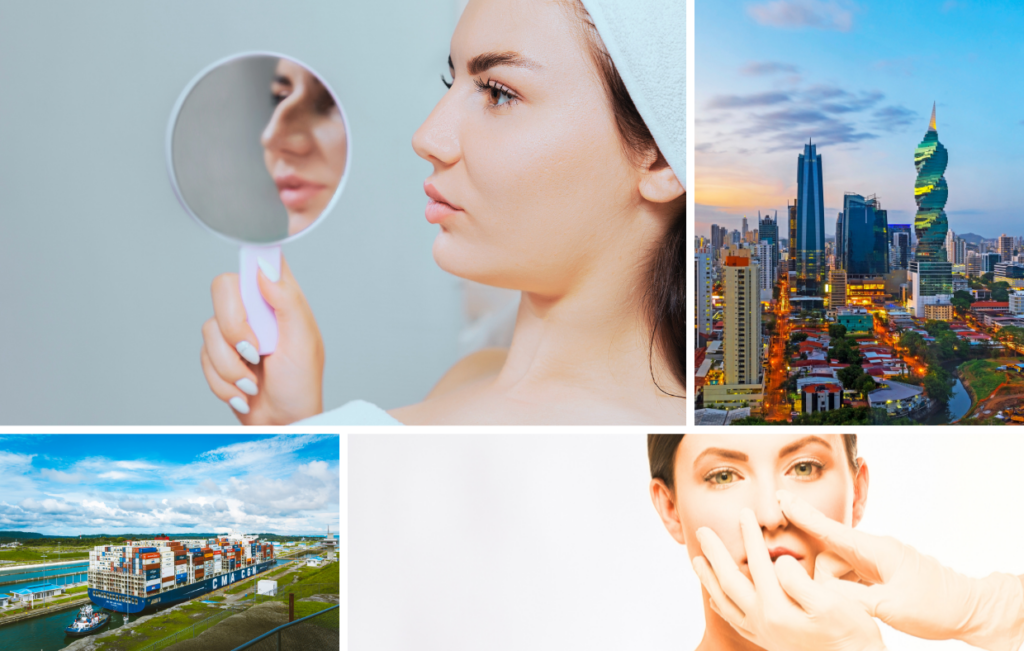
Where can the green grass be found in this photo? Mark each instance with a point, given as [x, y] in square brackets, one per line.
[35, 555]
[983, 377]
[307, 608]
[215, 598]
[158, 628]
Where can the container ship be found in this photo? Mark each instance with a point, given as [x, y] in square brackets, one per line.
[144, 574]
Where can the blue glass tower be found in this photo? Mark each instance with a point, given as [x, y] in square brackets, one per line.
[865, 238]
[808, 241]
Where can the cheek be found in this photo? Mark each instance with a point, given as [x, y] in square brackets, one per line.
[330, 139]
[721, 514]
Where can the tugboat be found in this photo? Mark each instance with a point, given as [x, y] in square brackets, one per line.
[87, 622]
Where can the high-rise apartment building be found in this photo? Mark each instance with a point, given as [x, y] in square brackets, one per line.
[973, 263]
[930, 273]
[865, 249]
[742, 327]
[900, 246]
[1005, 247]
[763, 251]
[717, 237]
[836, 289]
[744, 229]
[703, 270]
[807, 224]
[768, 231]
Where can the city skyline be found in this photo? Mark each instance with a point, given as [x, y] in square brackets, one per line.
[83, 484]
[773, 75]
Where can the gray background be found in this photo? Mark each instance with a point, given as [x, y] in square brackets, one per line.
[105, 279]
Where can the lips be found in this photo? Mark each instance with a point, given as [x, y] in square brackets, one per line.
[295, 191]
[776, 552]
[438, 208]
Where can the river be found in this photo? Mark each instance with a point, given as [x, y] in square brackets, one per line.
[46, 633]
[957, 406]
[44, 576]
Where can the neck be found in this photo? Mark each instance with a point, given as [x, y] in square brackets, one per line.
[719, 635]
[598, 329]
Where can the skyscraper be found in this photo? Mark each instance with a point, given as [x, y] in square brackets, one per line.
[1005, 244]
[768, 231]
[839, 241]
[744, 230]
[742, 321]
[899, 246]
[931, 274]
[763, 251]
[717, 238]
[865, 249]
[807, 243]
[702, 268]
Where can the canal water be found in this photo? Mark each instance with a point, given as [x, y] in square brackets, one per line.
[957, 406]
[46, 633]
[44, 576]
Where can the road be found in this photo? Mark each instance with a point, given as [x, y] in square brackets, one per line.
[776, 405]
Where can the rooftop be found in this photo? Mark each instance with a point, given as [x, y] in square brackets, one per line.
[894, 391]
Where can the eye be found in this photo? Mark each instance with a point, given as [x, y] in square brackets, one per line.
[498, 94]
[807, 469]
[722, 476]
[447, 84]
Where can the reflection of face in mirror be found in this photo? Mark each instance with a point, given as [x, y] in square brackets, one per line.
[304, 145]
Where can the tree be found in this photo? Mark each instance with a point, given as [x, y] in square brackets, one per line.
[836, 330]
[988, 277]
[1000, 291]
[797, 337]
[850, 375]
[936, 384]
[865, 385]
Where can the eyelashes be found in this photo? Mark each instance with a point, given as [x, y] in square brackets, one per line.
[499, 94]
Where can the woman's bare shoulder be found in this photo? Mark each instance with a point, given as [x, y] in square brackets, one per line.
[476, 366]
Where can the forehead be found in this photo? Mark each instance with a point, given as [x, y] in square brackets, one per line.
[541, 30]
[758, 447]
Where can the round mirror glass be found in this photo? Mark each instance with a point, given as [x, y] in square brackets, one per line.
[258, 148]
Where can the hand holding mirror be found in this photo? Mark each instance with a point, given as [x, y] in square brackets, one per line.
[257, 149]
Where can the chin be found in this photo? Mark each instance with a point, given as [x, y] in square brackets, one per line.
[459, 258]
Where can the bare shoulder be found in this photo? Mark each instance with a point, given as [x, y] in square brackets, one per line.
[476, 366]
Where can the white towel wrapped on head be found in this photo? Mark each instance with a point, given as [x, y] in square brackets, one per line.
[646, 40]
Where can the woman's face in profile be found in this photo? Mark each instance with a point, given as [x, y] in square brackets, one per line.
[304, 144]
[717, 475]
[526, 150]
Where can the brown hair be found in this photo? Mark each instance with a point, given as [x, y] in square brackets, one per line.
[662, 448]
[665, 292]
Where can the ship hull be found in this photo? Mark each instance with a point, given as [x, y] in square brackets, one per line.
[82, 632]
[132, 605]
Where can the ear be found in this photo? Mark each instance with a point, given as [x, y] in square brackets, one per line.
[860, 491]
[659, 184]
[665, 505]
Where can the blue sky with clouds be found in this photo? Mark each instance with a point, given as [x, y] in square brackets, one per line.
[859, 77]
[153, 483]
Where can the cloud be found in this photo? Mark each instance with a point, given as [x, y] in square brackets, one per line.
[818, 14]
[891, 118]
[13, 463]
[744, 101]
[759, 68]
[48, 505]
[62, 477]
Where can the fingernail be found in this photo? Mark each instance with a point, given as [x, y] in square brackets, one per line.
[268, 270]
[239, 405]
[247, 386]
[248, 352]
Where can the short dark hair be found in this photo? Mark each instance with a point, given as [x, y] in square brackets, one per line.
[662, 448]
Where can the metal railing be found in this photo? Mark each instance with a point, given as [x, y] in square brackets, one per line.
[194, 629]
[321, 630]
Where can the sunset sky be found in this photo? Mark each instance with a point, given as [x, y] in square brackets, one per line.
[859, 78]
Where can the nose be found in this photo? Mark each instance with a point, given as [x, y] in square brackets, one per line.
[437, 139]
[288, 129]
[769, 514]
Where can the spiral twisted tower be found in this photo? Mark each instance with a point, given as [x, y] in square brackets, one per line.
[930, 193]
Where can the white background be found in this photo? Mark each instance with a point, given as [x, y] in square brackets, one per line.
[551, 542]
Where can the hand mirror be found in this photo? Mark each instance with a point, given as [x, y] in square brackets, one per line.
[257, 149]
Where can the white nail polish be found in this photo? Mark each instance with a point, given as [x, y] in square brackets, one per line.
[248, 352]
[268, 270]
[239, 405]
[247, 386]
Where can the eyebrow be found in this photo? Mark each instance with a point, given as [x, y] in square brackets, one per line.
[488, 60]
[807, 440]
[740, 456]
